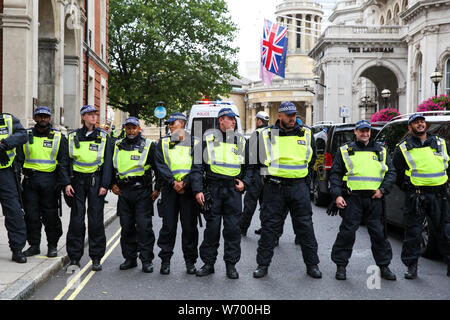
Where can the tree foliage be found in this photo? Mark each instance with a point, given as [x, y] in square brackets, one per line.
[176, 51]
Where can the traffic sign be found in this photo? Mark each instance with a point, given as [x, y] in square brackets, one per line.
[160, 112]
[344, 112]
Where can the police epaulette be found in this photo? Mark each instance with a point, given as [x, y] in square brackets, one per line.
[142, 146]
[30, 136]
[51, 135]
[301, 132]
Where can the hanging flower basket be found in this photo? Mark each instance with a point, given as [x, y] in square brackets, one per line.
[384, 115]
[435, 104]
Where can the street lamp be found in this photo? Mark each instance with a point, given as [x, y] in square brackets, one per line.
[386, 93]
[365, 100]
[307, 88]
[316, 80]
[436, 77]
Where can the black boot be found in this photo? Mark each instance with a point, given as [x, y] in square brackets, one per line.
[147, 267]
[314, 272]
[128, 264]
[32, 250]
[244, 232]
[96, 265]
[52, 251]
[258, 231]
[341, 273]
[231, 271]
[190, 268]
[19, 257]
[74, 262]
[165, 267]
[411, 273]
[387, 274]
[261, 271]
[207, 269]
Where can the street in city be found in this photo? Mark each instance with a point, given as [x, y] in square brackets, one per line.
[287, 279]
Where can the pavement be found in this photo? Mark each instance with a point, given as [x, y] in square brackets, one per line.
[17, 281]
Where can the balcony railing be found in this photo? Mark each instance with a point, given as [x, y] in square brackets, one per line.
[298, 4]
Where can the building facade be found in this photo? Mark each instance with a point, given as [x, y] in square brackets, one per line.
[53, 53]
[303, 19]
[376, 45]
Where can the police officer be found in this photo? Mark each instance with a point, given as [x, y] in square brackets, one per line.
[254, 192]
[12, 136]
[288, 156]
[133, 161]
[362, 174]
[174, 162]
[422, 163]
[225, 159]
[91, 163]
[44, 161]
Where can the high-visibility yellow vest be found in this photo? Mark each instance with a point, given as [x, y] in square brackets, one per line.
[365, 169]
[6, 130]
[287, 156]
[87, 156]
[41, 154]
[131, 163]
[177, 157]
[226, 158]
[427, 166]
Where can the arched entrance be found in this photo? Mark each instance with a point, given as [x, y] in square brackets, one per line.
[383, 78]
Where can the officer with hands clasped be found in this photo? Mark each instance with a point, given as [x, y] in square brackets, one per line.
[225, 159]
[361, 175]
[287, 157]
[91, 166]
[174, 162]
[12, 136]
[133, 161]
[44, 160]
[423, 171]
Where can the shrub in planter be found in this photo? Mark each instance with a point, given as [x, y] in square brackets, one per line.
[384, 115]
[435, 103]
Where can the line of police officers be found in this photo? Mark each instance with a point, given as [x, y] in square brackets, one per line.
[213, 174]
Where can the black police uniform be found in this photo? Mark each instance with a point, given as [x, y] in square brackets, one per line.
[281, 195]
[174, 205]
[9, 194]
[226, 206]
[135, 207]
[87, 186]
[436, 200]
[360, 205]
[42, 193]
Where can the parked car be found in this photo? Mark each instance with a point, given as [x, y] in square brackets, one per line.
[392, 133]
[327, 144]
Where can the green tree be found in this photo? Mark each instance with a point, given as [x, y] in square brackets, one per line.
[176, 51]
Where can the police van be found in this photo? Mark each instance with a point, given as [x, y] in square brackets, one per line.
[203, 115]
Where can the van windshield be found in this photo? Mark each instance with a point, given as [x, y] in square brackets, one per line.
[204, 124]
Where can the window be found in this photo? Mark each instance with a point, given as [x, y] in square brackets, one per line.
[447, 77]
[299, 29]
[419, 81]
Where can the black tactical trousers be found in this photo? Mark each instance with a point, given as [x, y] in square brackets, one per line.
[86, 186]
[14, 220]
[40, 200]
[182, 205]
[278, 200]
[358, 207]
[135, 210]
[226, 207]
[439, 213]
[251, 197]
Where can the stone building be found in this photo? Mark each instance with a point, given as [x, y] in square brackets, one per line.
[303, 19]
[53, 53]
[376, 45]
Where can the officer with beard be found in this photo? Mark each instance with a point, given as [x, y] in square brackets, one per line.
[133, 161]
[423, 171]
[45, 168]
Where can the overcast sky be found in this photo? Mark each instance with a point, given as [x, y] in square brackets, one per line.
[249, 15]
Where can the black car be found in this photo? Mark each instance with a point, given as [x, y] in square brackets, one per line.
[328, 143]
[391, 134]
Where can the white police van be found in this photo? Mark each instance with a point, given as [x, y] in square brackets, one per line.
[204, 114]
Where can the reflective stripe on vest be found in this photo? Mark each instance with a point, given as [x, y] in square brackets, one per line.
[427, 166]
[178, 159]
[131, 163]
[225, 158]
[364, 170]
[40, 157]
[89, 156]
[287, 156]
[6, 130]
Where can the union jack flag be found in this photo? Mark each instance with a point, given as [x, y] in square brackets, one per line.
[274, 48]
